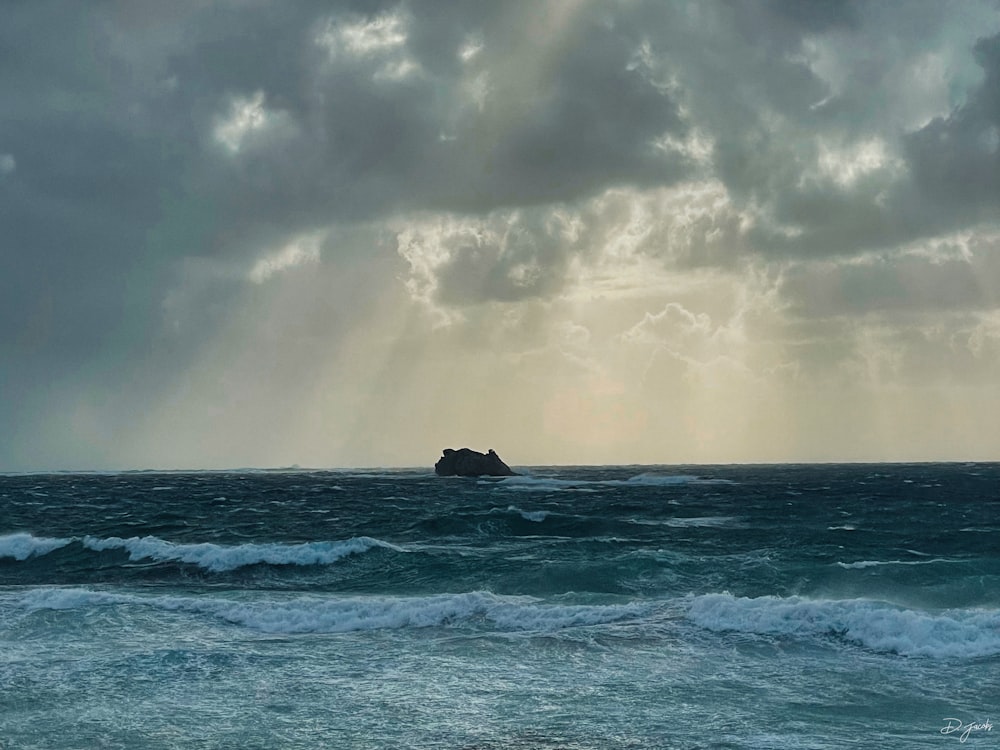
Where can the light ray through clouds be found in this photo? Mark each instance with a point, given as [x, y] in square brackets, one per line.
[640, 232]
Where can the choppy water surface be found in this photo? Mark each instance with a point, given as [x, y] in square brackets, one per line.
[574, 607]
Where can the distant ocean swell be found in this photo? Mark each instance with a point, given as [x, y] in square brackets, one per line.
[216, 558]
[529, 483]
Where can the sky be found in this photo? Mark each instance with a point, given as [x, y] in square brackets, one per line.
[251, 233]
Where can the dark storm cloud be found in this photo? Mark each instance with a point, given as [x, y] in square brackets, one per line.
[152, 153]
[817, 16]
[833, 76]
[391, 126]
[908, 283]
[949, 179]
[112, 109]
[956, 159]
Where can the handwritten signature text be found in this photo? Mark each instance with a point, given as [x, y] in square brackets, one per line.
[952, 726]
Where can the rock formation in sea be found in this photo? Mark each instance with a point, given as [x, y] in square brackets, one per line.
[469, 463]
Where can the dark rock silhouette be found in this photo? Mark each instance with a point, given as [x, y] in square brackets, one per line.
[469, 463]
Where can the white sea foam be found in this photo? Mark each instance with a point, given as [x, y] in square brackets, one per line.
[860, 564]
[338, 615]
[947, 634]
[551, 484]
[694, 522]
[543, 484]
[23, 545]
[219, 558]
[703, 521]
[62, 598]
[661, 480]
[530, 515]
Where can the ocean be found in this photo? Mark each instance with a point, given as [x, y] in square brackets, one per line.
[793, 606]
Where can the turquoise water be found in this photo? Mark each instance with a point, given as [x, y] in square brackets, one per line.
[575, 607]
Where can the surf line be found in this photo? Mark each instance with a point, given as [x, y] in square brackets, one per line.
[957, 725]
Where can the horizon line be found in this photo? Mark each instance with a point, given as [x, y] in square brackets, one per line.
[295, 468]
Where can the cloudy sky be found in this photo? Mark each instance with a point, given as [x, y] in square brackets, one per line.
[251, 233]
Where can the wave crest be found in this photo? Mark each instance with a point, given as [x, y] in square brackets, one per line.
[862, 564]
[220, 558]
[23, 545]
[337, 615]
[872, 624]
[537, 516]
[208, 555]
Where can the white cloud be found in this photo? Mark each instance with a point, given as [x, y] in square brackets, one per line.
[847, 164]
[300, 251]
[984, 339]
[366, 36]
[471, 47]
[379, 41]
[673, 323]
[246, 119]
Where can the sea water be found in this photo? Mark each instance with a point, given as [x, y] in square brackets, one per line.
[572, 607]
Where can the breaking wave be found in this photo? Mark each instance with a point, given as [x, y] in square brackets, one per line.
[708, 522]
[213, 557]
[339, 615]
[879, 626]
[861, 564]
[536, 516]
[23, 545]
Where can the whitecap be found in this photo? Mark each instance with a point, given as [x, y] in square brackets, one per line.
[648, 479]
[23, 545]
[703, 522]
[541, 484]
[860, 564]
[879, 626]
[659, 480]
[219, 558]
[690, 522]
[339, 615]
[530, 515]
